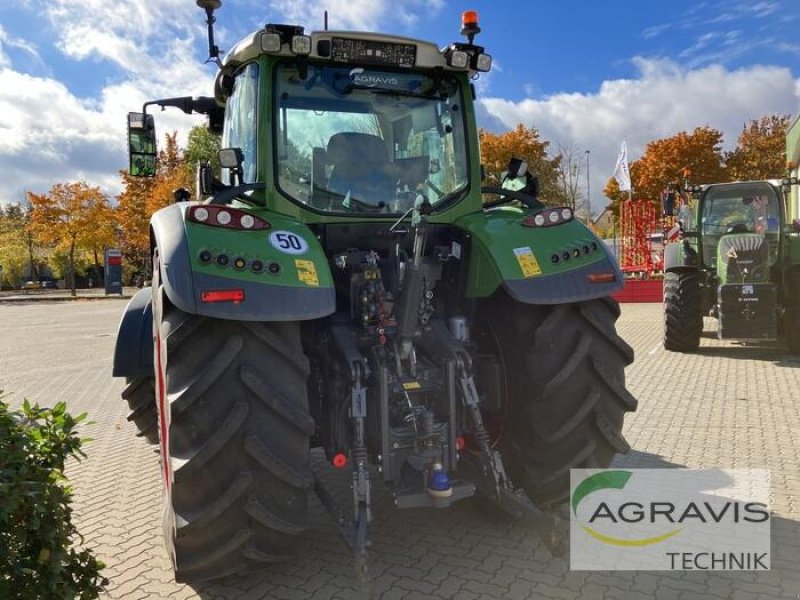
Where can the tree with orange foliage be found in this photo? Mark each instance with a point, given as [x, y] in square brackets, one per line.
[761, 150]
[143, 196]
[524, 143]
[664, 161]
[171, 173]
[72, 217]
[134, 219]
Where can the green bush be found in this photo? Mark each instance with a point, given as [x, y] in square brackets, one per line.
[38, 559]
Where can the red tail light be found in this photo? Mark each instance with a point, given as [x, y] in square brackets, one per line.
[224, 216]
[339, 460]
[601, 277]
[235, 296]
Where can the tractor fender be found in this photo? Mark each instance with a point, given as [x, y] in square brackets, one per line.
[529, 262]
[680, 256]
[302, 289]
[133, 353]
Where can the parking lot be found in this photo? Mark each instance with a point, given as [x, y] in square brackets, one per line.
[724, 406]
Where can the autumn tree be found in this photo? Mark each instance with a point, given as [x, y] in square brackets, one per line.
[133, 217]
[72, 217]
[143, 196]
[760, 152]
[570, 176]
[16, 244]
[171, 173]
[664, 161]
[524, 143]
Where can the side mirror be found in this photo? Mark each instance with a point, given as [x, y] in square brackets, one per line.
[141, 145]
[205, 181]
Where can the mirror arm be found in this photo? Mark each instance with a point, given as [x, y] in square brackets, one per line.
[202, 105]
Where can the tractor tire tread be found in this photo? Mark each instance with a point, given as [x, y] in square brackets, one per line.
[238, 443]
[141, 397]
[683, 318]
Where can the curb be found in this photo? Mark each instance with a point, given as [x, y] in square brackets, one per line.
[30, 299]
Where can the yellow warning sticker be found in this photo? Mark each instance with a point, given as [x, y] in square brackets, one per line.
[307, 272]
[527, 262]
[411, 385]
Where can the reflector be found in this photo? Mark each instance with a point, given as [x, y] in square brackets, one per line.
[235, 296]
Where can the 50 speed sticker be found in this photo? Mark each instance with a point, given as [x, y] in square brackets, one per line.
[288, 242]
[307, 272]
[527, 262]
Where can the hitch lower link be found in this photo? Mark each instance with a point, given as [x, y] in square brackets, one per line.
[487, 472]
[354, 531]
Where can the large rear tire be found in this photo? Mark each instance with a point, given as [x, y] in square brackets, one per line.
[565, 397]
[238, 470]
[683, 317]
[141, 396]
[792, 317]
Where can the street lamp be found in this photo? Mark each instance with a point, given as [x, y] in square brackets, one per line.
[588, 188]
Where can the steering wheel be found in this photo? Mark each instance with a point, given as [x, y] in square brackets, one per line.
[509, 196]
[739, 227]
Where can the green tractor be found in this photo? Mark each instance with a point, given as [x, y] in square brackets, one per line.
[738, 259]
[348, 285]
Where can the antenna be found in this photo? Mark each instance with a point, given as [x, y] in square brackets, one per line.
[210, 6]
[326, 20]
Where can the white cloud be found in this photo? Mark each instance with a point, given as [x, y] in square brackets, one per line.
[664, 99]
[49, 134]
[9, 41]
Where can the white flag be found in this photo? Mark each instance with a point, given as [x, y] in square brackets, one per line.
[621, 172]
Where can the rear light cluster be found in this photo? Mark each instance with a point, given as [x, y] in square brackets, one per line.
[223, 216]
[549, 217]
[582, 249]
[239, 262]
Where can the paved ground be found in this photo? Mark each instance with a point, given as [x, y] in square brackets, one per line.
[724, 406]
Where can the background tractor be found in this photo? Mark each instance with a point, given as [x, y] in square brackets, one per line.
[346, 286]
[738, 260]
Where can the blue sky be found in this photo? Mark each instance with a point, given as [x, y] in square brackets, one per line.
[585, 74]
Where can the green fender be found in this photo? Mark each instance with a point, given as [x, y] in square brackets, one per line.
[294, 284]
[536, 265]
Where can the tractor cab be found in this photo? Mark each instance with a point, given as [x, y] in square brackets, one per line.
[369, 140]
[334, 123]
[746, 217]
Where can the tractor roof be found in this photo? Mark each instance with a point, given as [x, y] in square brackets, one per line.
[377, 50]
[428, 55]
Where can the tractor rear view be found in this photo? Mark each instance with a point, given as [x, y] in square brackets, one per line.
[346, 287]
[738, 260]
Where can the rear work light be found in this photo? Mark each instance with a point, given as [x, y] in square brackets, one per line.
[224, 216]
[549, 217]
[210, 296]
